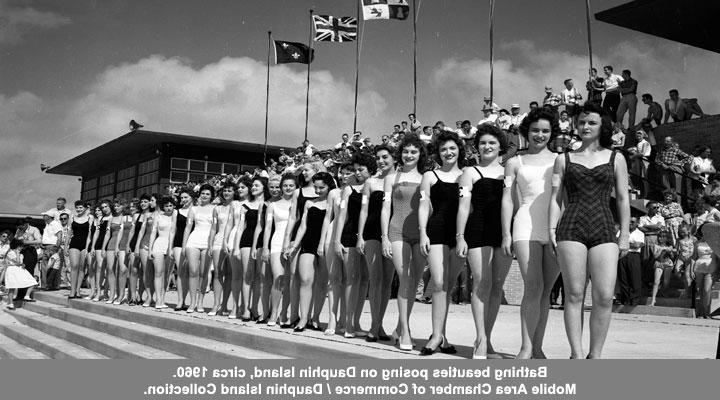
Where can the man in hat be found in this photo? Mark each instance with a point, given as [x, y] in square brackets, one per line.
[489, 116]
[489, 103]
[552, 100]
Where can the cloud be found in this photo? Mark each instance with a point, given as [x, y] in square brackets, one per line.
[525, 69]
[16, 22]
[225, 99]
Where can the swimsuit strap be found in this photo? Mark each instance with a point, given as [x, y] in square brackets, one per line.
[436, 175]
[567, 162]
[478, 171]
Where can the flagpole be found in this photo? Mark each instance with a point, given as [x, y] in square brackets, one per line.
[414, 58]
[492, 60]
[587, 17]
[357, 67]
[267, 97]
[307, 94]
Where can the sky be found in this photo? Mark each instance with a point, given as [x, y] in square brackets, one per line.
[73, 73]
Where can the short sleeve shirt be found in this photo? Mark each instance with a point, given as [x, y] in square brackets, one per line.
[49, 235]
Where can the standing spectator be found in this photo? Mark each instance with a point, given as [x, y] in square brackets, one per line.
[702, 165]
[59, 209]
[628, 90]
[32, 239]
[49, 245]
[618, 137]
[671, 160]
[516, 119]
[612, 92]
[489, 103]
[367, 144]
[570, 98]
[650, 224]
[308, 148]
[595, 87]
[663, 254]
[681, 109]
[705, 266]
[655, 111]
[404, 129]
[639, 158]
[533, 105]
[16, 277]
[416, 126]
[630, 267]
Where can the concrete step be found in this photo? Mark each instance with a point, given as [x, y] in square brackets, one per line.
[41, 342]
[12, 349]
[40, 316]
[279, 342]
[151, 335]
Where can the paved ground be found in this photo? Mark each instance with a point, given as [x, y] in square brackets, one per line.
[630, 336]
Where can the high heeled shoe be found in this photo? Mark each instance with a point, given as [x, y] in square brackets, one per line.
[476, 356]
[427, 351]
[448, 348]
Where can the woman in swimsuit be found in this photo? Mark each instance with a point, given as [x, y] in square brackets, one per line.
[400, 234]
[126, 231]
[79, 245]
[223, 274]
[479, 234]
[134, 250]
[112, 241]
[99, 245]
[584, 238]
[186, 201]
[529, 178]
[310, 242]
[196, 241]
[260, 286]
[144, 250]
[345, 245]
[439, 192]
[305, 192]
[161, 245]
[237, 209]
[276, 216]
[380, 269]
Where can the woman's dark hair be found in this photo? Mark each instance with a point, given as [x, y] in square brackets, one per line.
[207, 187]
[412, 140]
[709, 199]
[701, 149]
[144, 196]
[15, 243]
[166, 200]
[288, 177]
[536, 115]
[264, 183]
[606, 124]
[245, 181]
[449, 136]
[326, 178]
[188, 191]
[79, 203]
[492, 130]
[670, 192]
[7, 232]
[367, 161]
[229, 184]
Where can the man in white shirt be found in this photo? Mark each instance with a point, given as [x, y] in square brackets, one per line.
[345, 142]
[50, 239]
[630, 267]
[571, 99]
[516, 119]
[416, 126]
[489, 117]
[59, 209]
[612, 92]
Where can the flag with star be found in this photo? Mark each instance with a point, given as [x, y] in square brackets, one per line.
[292, 52]
[385, 9]
[333, 29]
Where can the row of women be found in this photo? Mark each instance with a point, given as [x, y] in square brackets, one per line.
[291, 244]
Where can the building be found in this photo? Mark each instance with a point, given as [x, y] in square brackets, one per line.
[146, 162]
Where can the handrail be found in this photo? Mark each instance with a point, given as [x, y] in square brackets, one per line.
[656, 164]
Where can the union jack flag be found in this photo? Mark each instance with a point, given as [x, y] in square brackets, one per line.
[333, 29]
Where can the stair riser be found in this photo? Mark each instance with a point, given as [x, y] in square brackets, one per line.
[238, 337]
[72, 337]
[36, 345]
[189, 350]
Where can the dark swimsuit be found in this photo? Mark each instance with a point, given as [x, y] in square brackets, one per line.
[444, 197]
[350, 230]
[372, 223]
[313, 229]
[483, 226]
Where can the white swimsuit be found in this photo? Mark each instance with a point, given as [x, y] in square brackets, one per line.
[280, 219]
[164, 223]
[201, 231]
[534, 191]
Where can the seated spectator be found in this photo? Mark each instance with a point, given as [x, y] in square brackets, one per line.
[566, 125]
[467, 131]
[489, 116]
[706, 211]
[681, 109]
[404, 127]
[713, 189]
[673, 214]
[663, 254]
[570, 98]
[671, 161]
[488, 103]
[655, 111]
[345, 142]
[385, 140]
[618, 137]
[551, 99]
[702, 165]
[503, 120]
[426, 135]
[415, 126]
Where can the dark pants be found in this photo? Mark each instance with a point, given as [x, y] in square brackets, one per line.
[630, 278]
[611, 104]
[30, 261]
[556, 291]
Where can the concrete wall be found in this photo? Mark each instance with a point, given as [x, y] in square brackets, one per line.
[688, 134]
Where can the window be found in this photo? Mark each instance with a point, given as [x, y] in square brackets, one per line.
[197, 165]
[126, 173]
[105, 191]
[89, 184]
[149, 166]
[231, 168]
[127, 195]
[126, 185]
[147, 179]
[178, 177]
[88, 195]
[148, 189]
[179, 163]
[107, 179]
[196, 177]
[214, 168]
[248, 168]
